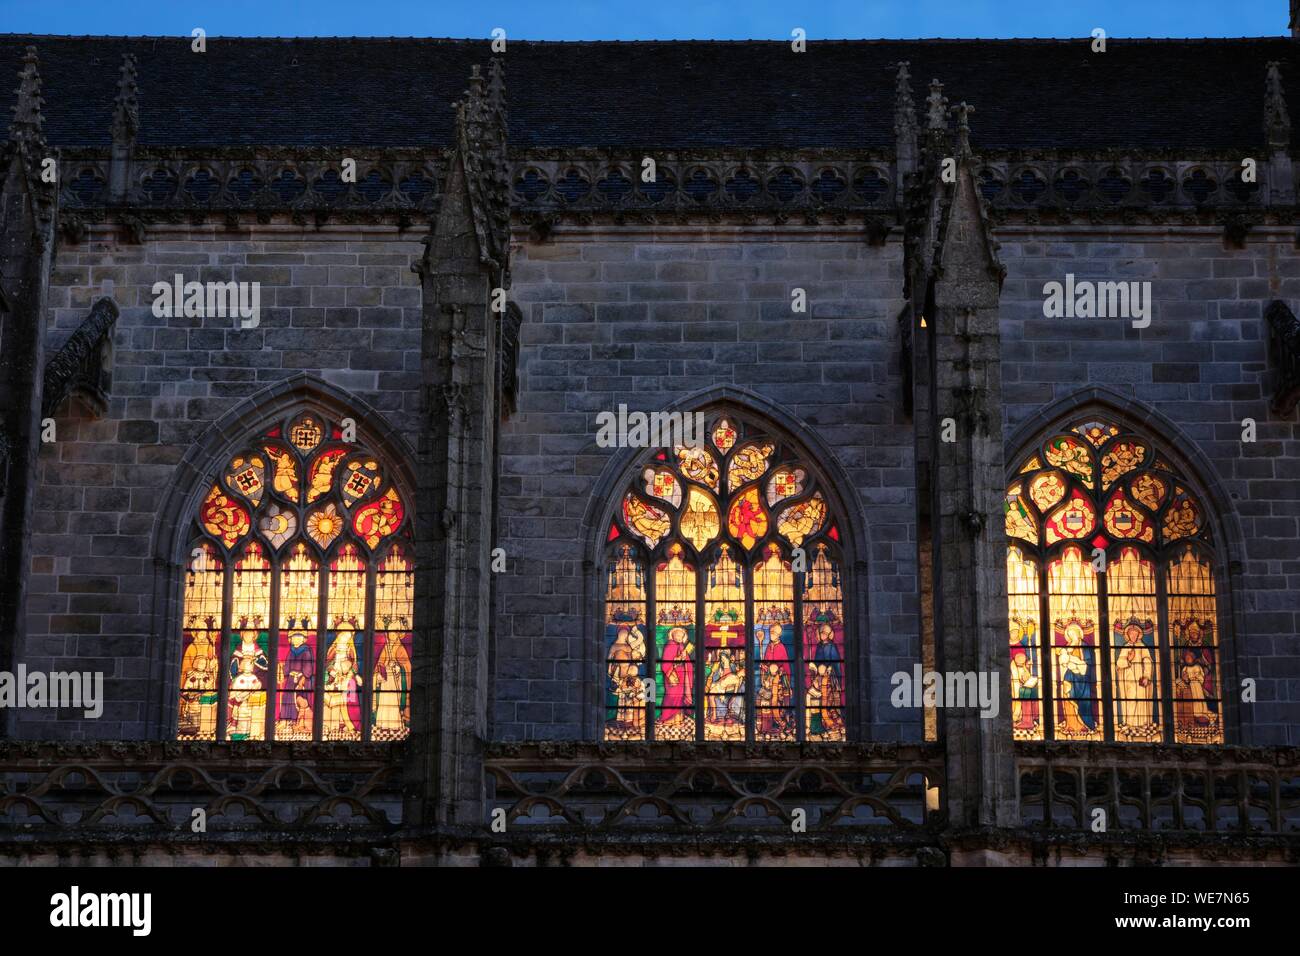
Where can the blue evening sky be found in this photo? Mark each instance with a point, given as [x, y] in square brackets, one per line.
[651, 19]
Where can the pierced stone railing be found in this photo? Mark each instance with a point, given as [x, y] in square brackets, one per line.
[1159, 789]
[151, 790]
[682, 789]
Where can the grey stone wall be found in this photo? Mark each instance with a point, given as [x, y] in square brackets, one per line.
[645, 319]
[1202, 363]
[341, 304]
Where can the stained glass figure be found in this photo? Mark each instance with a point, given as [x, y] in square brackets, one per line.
[1128, 659]
[748, 632]
[1135, 657]
[772, 648]
[625, 648]
[724, 643]
[255, 664]
[1198, 708]
[201, 623]
[296, 646]
[823, 647]
[1072, 604]
[248, 655]
[391, 672]
[675, 638]
[1026, 667]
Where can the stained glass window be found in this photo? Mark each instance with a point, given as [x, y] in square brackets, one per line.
[724, 599]
[1111, 594]
[299, 594]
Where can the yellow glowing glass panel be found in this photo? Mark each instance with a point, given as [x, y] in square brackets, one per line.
[645, 520]
[1047, 490]
[724, 436]
[724, 643]
[201, 623]
[1076, 670]
[1120, 459]
[391, 670]
[284, 478]
[802, 520]
[772, 648]
[346, 618]
[748, 464]
[675, 640]
[747, 519]
[698, 465]
[1124, 520]
[1025, 618]
[1149, 490]
[1020, 522]
[625, 647]
[248, 652]
[700, 521]
[1032, 465]
[1193, 618]
[1183, 518]
[1073, 520]
[296, 651]
[1073, 456]
[1135, 651]
[823, 680]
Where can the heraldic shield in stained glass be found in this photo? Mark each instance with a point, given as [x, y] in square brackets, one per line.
[299, 594]
[1111, 594]
[723, 596]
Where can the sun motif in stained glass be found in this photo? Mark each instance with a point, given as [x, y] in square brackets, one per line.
[325, 524]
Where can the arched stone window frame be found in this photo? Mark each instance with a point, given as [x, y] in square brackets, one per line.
[843, 502]
[211, 450]
[1198, 471]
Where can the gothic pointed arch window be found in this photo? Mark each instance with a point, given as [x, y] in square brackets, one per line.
[724, 594]
[1113, 615]
[299, 593]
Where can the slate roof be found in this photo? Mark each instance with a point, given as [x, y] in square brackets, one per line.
[1178, 94]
